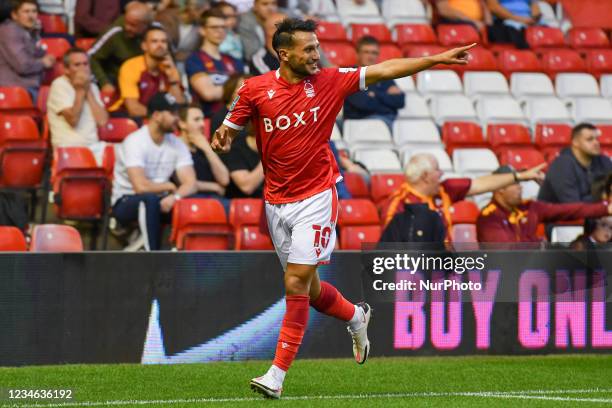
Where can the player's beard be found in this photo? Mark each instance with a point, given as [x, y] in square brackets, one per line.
[301, 69]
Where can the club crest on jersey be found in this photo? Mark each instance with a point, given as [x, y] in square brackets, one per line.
[271, 93]
[309, 89]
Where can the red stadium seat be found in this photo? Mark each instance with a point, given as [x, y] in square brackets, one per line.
[12, 239]
[457, 34]
[464, 234]
[352, 237]
[357, 211]
[17, 127]
[200, 224]
[520, 157]
[605, 135]
[510, 134]
[480, 59]
[55, 71]
[250, 238]
[356, 185]
[518, 61]
[117, 129]
[14, 99]
[544, 37]
[56, 238]
[552, 135]
[461, 135]
[41, 101]
[411, 34]
[417, 51]
[378, 31]
[607, 151]
[556, 61]
[464, 212]
[245, 211]
[599, 62]
[55, 46]
[109, 98]
[584, 38]
[52, 24]
[383, 185]
[389, 51]
[331, 31]
[551, 153]
[340, 53]
[84, 43]
[22, 163]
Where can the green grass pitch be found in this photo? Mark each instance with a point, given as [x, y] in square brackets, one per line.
[538, 381]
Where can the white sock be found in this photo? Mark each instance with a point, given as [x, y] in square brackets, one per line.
[277, 373]
[356, 321]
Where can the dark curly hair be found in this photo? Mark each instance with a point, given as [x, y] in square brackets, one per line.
[283, 37]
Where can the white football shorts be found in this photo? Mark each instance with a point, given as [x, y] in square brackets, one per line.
[304, 232]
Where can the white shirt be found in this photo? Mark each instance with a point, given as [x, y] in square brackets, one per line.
[61, 97]
[158, 161]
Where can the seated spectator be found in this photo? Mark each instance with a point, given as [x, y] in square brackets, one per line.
[597, 232]
[602, 188]
[509, 218]
[232, 45]
[145, 163]
[244, 165]
[265, 59]
[251, 26]
[570, 176]
[22, 60]
[208, 68]
[511, 18]
[423, 185]
[381, 100]
[74, 107]
[143, 76]
[93, 17]
[118, 43]
[182, 27]
[472, 12]
[211, 174]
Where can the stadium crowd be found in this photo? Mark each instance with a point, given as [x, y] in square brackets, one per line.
[123, 104]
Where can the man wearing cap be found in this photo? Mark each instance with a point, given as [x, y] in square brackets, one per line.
[509, 218]
[424, 185]
[145, 162]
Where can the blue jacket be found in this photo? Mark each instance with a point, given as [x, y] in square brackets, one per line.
[360, 105]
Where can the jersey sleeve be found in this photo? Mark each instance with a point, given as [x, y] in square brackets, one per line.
[194, 65]
[240, 111]
[128, 80]
[349, 80]
[457, 188]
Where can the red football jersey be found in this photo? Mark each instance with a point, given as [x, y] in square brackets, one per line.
[293, 124]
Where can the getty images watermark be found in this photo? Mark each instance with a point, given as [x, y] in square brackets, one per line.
[422, 263]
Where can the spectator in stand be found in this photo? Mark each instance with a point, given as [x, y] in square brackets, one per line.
[244, 165]
[511, 18]
[211, 174]
[145, 162]
[597, 232]
[251, 26]
[208, 68]
[74, 107]
[381, 100]
[22, 60]
[265, 59]
[570, 176]
[232, 45]
[93, 17]
[423, 185]
[509, 218]
[473, 12]
[119, 43]
[182, 27]
[143, 76]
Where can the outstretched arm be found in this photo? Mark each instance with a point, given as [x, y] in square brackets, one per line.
[402, 67]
